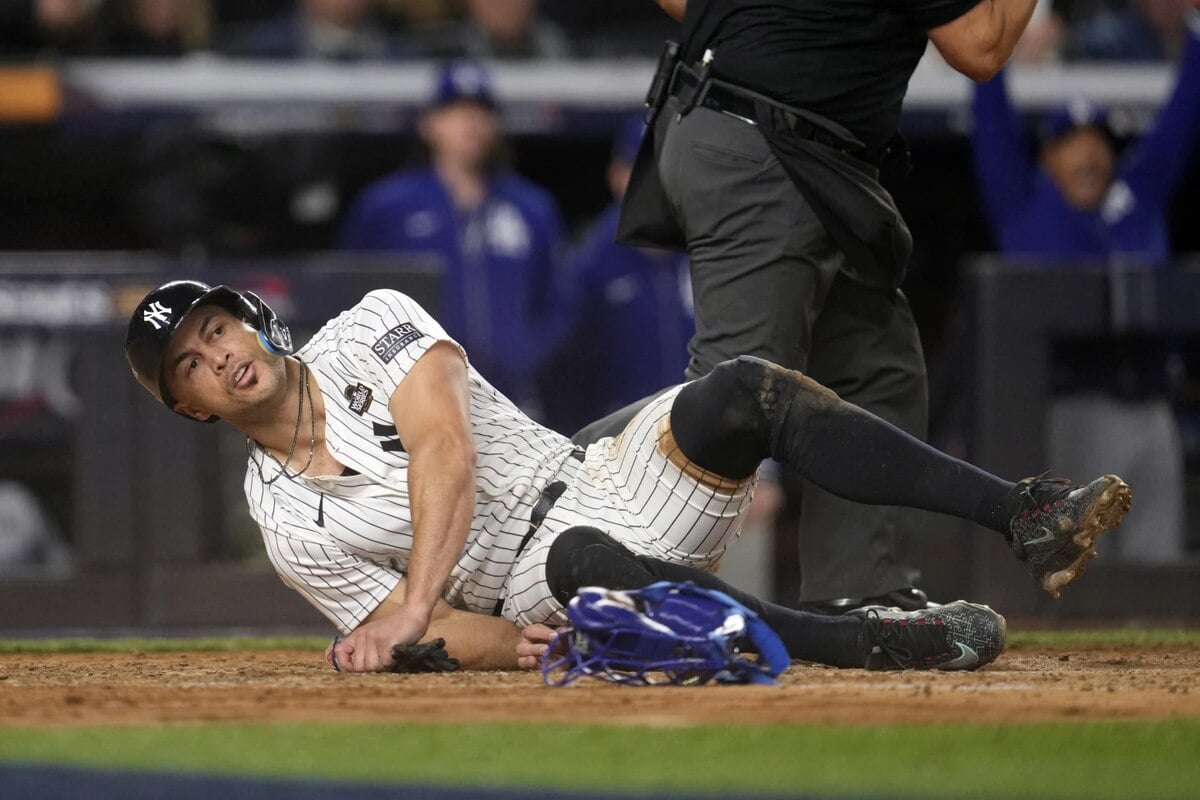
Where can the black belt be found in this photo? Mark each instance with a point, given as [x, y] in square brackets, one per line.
[537, 516]
[728, 99]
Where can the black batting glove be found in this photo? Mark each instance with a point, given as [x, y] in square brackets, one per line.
[428, 657]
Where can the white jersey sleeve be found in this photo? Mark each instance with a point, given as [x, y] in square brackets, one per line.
[390, 332]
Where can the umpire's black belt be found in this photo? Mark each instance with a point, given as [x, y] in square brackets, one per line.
[541, 508]
[718, 95]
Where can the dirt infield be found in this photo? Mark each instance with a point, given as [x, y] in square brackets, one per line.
[1024, 685]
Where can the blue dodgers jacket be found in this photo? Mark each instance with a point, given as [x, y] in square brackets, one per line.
[1029, 216]
[499, 265]
[630, 312]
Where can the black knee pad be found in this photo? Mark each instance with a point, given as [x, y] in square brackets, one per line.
[745, 410]
[723, 421]
[587, 556]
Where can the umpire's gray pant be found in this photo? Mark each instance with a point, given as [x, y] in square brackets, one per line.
[767, 282]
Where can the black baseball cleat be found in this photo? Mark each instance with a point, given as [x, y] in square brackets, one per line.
[1055, 524]
[956, 636]
[908, 599]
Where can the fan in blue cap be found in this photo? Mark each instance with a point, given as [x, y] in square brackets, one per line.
[1076, 113]
[494, 234]
[463, 82]
[676, 633]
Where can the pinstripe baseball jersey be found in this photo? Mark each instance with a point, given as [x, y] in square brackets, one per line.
[344, 541]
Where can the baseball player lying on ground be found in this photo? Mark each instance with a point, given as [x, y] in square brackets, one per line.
[408, 500]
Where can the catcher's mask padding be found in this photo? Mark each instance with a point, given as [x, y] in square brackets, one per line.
[667, 632]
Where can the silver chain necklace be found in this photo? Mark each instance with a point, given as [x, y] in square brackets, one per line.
[312, 436]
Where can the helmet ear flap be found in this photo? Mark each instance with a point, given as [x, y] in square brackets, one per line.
[273, 335]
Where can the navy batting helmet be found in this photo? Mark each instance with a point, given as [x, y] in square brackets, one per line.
[162, 311]
[688, 634]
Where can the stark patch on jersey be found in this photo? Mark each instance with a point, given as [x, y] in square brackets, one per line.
[394, 341]
[359, 397]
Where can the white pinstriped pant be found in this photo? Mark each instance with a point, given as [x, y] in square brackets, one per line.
[628, 488]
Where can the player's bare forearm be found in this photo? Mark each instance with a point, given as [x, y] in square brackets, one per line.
[980, 42]
[441, 484]
[431, 408]
[673, 7]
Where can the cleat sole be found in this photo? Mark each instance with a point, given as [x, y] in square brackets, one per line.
[1106, 513]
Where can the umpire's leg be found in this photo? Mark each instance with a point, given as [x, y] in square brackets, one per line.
[762, 269]
[867, 349]
[761, 262]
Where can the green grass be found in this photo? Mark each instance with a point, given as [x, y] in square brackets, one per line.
[1068, 760]
[1117, 637]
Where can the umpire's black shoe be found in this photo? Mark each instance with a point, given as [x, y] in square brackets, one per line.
[956, 636]
[908, 599]
[1055, 524]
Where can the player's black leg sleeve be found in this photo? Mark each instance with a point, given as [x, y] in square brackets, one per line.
[585, 556]
[747, 409]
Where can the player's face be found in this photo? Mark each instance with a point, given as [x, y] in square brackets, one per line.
[463, 133]
[1081, 165]
[215, 365]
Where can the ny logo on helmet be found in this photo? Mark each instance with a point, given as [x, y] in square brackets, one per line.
[157, 315]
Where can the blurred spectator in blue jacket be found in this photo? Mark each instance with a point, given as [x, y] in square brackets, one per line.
[154, 28]
[1079, 201]
[630, 310]
[496, 234]
[503, 29]
[1080, 205]
[338, 30]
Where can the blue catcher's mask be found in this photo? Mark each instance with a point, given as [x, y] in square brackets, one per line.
[688, 634]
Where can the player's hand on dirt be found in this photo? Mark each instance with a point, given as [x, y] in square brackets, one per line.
[369, 647]
[407, 626]
[365, 650]
[535, 641]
